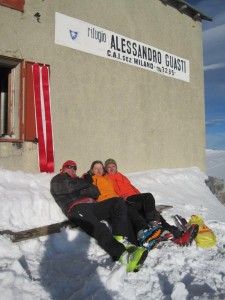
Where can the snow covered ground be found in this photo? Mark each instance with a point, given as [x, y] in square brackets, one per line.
[70, 265]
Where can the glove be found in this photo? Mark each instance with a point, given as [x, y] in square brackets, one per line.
[87, 177]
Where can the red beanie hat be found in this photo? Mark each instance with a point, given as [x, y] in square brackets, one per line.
[69, 162]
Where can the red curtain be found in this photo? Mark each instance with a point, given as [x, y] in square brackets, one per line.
[43, 117]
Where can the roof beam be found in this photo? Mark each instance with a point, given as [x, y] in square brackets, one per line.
[197, 16]
[182, 7]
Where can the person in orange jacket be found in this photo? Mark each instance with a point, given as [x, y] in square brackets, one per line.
[104, 184]
[143, 202]
[139, 229]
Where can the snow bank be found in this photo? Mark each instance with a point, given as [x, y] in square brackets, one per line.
[70, 265]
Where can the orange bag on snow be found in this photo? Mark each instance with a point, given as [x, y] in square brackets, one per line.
[205, 237]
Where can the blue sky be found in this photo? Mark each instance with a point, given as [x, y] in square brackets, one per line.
[214, 70]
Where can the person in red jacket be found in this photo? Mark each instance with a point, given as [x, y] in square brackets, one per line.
[143, 202]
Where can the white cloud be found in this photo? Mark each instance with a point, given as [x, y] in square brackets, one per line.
[216, 121]
[215, 141]
[214, 34]
[214, 66]
[214, 45]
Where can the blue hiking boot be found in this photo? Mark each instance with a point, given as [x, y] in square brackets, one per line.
[150, 237]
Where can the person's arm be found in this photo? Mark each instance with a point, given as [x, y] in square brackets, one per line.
[63, 184]
[133, 187]
[92, 192]
[88, 177]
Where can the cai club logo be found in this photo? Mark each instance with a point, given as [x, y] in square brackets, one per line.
[73, 34]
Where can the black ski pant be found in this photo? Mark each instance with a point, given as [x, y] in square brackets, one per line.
[145, 205]
[88, 216]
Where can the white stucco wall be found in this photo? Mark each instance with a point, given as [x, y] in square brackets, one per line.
[103, 108]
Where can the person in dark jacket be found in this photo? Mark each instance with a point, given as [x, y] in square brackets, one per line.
[76, 197]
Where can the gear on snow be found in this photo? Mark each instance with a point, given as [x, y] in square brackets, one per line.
[188, 236]
[182, 235]
[189, 232]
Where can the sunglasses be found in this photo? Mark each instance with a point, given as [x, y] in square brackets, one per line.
[71, 167]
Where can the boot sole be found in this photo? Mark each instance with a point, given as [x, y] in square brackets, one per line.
[134, 266]
[194, 233]
[141, 261]
[152, 241]
[154, 236]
